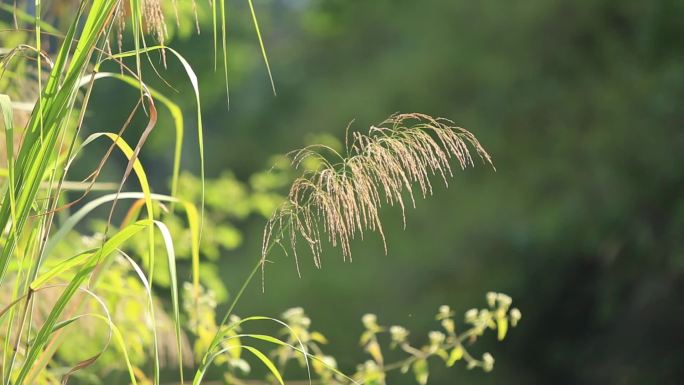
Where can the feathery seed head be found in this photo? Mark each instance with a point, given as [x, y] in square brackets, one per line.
[152, 17]
[342, 198]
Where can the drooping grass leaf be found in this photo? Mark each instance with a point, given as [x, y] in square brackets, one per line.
[266, 361]
[261, 44]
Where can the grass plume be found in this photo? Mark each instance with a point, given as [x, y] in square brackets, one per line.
[393, 161]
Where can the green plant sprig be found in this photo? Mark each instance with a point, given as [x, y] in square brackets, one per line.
[297, 343]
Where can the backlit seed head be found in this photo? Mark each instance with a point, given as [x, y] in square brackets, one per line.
[342, 199]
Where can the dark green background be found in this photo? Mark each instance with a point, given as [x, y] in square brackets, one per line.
[580, 104]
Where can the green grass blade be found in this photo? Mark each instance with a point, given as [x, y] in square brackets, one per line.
[200, 130]
[39, 76]
[307, 355]
[8, 119]
[43, 335]
[266, 361]
[131, 155]
[214, 27]
[176, 115]
[118, 337]
[225, 48]
[261, 45]
[87, 259]
[190, 210]
[171, 255]
[61, 267]
[24, 16]
[58, 98]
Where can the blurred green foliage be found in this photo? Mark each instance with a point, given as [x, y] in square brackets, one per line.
[228, 203]
[295, 337]
[577, 101]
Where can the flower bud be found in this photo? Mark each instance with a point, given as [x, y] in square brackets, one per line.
[504, 300]
[293, 313]
[233, 319]
[399, 334]
[436, 338]
[471, 315]
[329, 361]
[515, 316]
[448, 325]
[487, 362]
[369, 321]
[491, 299]
[444, 312]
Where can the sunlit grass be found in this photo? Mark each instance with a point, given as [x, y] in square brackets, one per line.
[39, 255]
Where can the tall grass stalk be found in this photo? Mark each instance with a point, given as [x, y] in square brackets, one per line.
[47, 149]
[341, 199]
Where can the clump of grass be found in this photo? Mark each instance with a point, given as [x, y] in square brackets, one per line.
[342, 198]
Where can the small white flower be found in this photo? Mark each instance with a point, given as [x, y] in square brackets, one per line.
[515, 316]
[293, 313]
[92, 241]
[329, 361]
[370, 366]
[233, 319]
[398, 333]
[504, 300]
[369, 321]
[436, 337]
[471, 315]
[491, 299]
[240, 364]
[487, 362]
[444, 312]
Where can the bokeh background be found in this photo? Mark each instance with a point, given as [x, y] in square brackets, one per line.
[580, 104]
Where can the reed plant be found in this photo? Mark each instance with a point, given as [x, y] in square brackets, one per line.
[56, 283]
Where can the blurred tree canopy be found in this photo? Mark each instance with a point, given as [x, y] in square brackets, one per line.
[579, 102]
